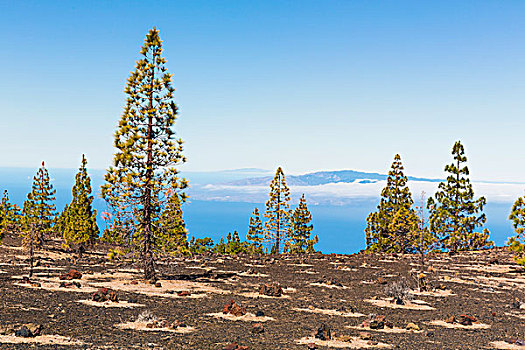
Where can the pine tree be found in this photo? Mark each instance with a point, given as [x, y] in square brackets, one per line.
[255, 233]
[29, 231]
[172, 235]
[299, 240]
[517, 242]
[39, 208]
[9, 216]
[79, 219]
[277, 212]
[147, 153]
[454, 213]
[382, 232]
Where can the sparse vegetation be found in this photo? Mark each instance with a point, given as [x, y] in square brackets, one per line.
[399, 290]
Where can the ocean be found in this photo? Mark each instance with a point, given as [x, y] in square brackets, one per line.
[340, 227]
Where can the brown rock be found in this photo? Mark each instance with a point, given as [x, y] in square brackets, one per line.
[71, 275]
[183, 293]
[134, 282]
[466, 320]
[257, 328]
[158, 284]
[232, 346]
[233, 308]
[271, 289]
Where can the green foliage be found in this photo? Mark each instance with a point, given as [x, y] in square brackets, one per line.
[39, 209]
[147, 153]
[278, 213]
[454, 213]
[299, 240]
[232, 246]
[200, 245]
[393, 226]
[9, 216]
[172, 235]
[78, 221]
[517, 242]
[255, 233]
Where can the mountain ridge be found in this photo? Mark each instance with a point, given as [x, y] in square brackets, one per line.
[323, 178]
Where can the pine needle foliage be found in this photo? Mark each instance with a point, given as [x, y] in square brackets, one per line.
[39, 209]
[300, 240]
[147, 153]
[454, 213]
[390, 228]
[9, 216]
[278, 213]
[517, 242]
[255, 235]
[79, 220]
[172, 234]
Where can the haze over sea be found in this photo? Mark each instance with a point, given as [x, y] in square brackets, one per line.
[221, 202]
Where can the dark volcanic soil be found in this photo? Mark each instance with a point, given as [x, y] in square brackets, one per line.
[484, 285]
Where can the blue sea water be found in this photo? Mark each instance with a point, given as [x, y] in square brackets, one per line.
[340, 228]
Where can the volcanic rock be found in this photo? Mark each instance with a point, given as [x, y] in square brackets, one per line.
[234, 309]
[271, 289]
[71, 275]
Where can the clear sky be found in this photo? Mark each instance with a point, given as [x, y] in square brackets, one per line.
[309, 85]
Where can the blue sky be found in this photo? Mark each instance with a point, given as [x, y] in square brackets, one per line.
[309, 85]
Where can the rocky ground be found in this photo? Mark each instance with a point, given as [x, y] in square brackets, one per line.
[465, 301]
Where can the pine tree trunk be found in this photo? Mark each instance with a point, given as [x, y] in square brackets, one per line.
[149, 265]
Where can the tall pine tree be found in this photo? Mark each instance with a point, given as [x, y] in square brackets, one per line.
[386, 232]
[277, 227]
[517, 242]
[79, 219]
[147, 153]
[454, 213]
[299, 240]
[255, 233]
[39, 208]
